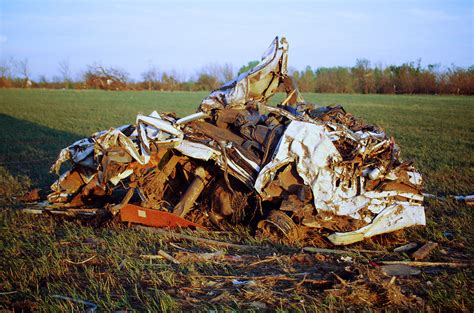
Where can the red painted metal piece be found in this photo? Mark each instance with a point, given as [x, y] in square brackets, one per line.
[149, 217]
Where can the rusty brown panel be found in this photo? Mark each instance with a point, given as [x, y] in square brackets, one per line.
[216, 133]
[229, 116]
[224, 135]
[399, 187]
[290, 180]
[72, 182]
[149, 217]
[273, 190]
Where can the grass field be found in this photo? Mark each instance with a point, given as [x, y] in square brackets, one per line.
[436, 132]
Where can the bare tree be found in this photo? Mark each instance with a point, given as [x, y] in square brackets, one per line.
[227, 72]
[65, 71]
[219, 73]
[6, 69]
[6, 73]
[23, 69]
[151, 77]
[109, 78]
[169, 81]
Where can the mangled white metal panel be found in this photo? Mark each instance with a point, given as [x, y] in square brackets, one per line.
[258, 84]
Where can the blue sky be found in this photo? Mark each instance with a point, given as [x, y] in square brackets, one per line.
[187, 35]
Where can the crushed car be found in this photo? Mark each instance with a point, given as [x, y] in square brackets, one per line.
[285, 170]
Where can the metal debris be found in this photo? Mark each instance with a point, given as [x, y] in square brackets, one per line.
[149, 217]
[425, 250]
[406, 248]
[399, 270]
[289, 169]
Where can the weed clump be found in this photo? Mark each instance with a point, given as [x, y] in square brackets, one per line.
[11, 186]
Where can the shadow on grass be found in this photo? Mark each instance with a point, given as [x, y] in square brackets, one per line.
[27, 148]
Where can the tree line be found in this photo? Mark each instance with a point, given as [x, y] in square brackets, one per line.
[407, 78]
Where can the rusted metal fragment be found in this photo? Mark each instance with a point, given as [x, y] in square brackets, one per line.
[148, 217]
[152, 185]
[224, 135]
[69, 183]
[230, 204]
[290, 180]
[424, 251]
[333, 222]
[229, 116]
[31, 196]
[395, 186]
[216, 133]
[192, 193]
[405, 248]
[279, 222]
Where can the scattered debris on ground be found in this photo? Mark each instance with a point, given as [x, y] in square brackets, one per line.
[65, 265]
[295, 171]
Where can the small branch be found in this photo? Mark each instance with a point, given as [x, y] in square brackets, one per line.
[92, 308]
[263, 277]
[367, 251]
[428, 264]
[340, 279]
[7, 293]
[267, 260]
[288, 98]
[82, 262]
[151, 257]
[327, 251]
[161, 255]
[339, 251]
[168, 257]
[210, 242]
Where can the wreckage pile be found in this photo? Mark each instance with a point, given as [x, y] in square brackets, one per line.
[283, 170]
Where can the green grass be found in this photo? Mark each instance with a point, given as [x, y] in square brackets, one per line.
[436, 132]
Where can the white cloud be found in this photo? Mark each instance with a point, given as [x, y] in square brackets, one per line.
[3, 39]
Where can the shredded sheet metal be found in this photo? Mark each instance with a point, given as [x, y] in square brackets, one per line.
[310, 147]
[393, 217]
[352, 169]
[258, 84]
